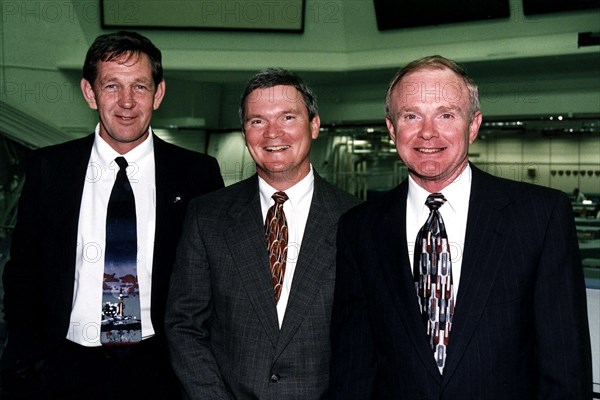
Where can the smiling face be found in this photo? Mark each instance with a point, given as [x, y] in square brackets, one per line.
[432, 126]
[125, 96]
[279, 134]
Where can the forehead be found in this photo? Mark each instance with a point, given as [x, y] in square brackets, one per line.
[276, 96]
[431, 86]
[138, 65]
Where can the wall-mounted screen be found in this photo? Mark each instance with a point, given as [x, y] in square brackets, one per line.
[258, 15]
[398, 14]
[531, 7]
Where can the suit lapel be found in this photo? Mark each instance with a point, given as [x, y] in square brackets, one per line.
[76, 160]
[486, 228]
[166, 198]
[394, 259]
[317, 255]
[249, 251]
[162, 180]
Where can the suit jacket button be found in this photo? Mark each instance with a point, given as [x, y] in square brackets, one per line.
[274, 378]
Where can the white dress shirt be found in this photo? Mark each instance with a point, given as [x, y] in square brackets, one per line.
[454, 213]
[84, 327]
[296, 210]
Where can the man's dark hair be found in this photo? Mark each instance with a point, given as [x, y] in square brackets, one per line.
[274, 77]
[112, 46]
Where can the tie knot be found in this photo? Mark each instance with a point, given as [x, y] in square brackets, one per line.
[122, 162]
[279, 197]
[435, 201]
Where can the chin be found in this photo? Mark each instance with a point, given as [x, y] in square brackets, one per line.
[276, 167]
[426, 168]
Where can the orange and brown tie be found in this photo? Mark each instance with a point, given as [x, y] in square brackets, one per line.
[276, 231]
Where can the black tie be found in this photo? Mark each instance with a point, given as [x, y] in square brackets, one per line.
[121, 319]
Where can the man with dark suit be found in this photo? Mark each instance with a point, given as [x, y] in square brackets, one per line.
[54, 280]
[237, 328]
[510, 307]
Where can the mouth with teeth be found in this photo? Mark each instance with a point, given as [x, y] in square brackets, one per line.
[276, 148]
[126, 119]
[429, 151]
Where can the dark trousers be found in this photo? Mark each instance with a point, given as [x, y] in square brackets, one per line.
[74, 372]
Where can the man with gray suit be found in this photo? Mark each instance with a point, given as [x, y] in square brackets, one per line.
[245, 320]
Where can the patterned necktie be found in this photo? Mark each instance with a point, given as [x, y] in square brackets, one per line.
[433, 279]
[121, 319]
[276, 231]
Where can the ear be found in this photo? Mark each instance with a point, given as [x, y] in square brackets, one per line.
[391, 130]
[159, 94]
[88, 94]
[315, 125]
[474, 127]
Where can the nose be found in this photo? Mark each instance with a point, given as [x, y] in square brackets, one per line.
[126, 98]
[428, 129]
[272, 131]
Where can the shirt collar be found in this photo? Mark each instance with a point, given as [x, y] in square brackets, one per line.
[295, 193]
[107, 154]
[456, 193]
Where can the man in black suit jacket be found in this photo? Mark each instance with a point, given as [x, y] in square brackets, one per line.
[53, 280]
[519, 326]
[231, 335]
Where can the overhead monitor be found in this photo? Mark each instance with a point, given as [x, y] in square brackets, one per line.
[398, 14]
[532, 7]
[258, 15]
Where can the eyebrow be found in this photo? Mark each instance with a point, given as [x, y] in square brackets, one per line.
[408, 109]
[283, 112]
[115, 79]
[447, 109]
[439, 108]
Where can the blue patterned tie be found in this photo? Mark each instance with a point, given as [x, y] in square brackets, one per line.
[121, 319]
[276, 232]
[432, 272]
